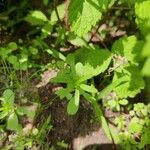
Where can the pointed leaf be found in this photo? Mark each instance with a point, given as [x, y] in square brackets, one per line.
[87, 88]
[36, 18]
[9, 96]
[77, 97]
[86, 14]
[12, 122]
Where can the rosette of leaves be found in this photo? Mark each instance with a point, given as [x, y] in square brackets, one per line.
[81, 66]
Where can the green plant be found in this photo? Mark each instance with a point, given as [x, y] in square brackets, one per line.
[122, 66]
[8, 110]
[138, 129]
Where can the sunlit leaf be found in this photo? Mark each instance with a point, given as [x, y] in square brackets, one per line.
[36, 17]
[72, 108]
[9, 96]
[12, 122]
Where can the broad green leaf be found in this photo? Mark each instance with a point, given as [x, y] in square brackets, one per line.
[61, 13]
[85, 14]
[12, 46]
[12, 59]
[72, 108]
[128, 47]
[93, 59]
[146, 68]
[78, 41]
[89, 63]
[9, 96]
[146, 47]
[36, 17]
[142, 11]
[12, 122]
[87, 88]
[133, 84]
[77, 97]
[63, 76]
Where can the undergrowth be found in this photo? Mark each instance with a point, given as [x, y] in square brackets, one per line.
[88, 54]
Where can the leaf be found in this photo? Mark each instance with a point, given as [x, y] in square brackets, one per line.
[12, 59]
[77, 97]
[145, 69]
[36, 17]
[86, 14]
[12, 122]
[102, 120]
[142, 11]
[111, 87]
[134, 126]
[146, 47]
[144, 139]
[46, 30]
[65, 92]
[63, 76]
[33, 50]
[128, 47]
[72, 108]
[133, 85]
[93, 59]
[3, 114]
[87, 88]
[12, 46]
[56, 54]
[9, 96]
[79, 69]
[78, 41]
[45, 2]
[61, 13]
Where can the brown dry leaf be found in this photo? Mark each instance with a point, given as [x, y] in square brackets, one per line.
[46, 76]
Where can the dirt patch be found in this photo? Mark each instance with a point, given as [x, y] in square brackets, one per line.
[69, 128]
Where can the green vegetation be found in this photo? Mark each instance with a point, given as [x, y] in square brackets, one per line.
[82, 47]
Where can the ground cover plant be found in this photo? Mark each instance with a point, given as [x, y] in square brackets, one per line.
[75, 74]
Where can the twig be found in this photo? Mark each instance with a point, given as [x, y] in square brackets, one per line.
[57, 14]
[93, 34]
